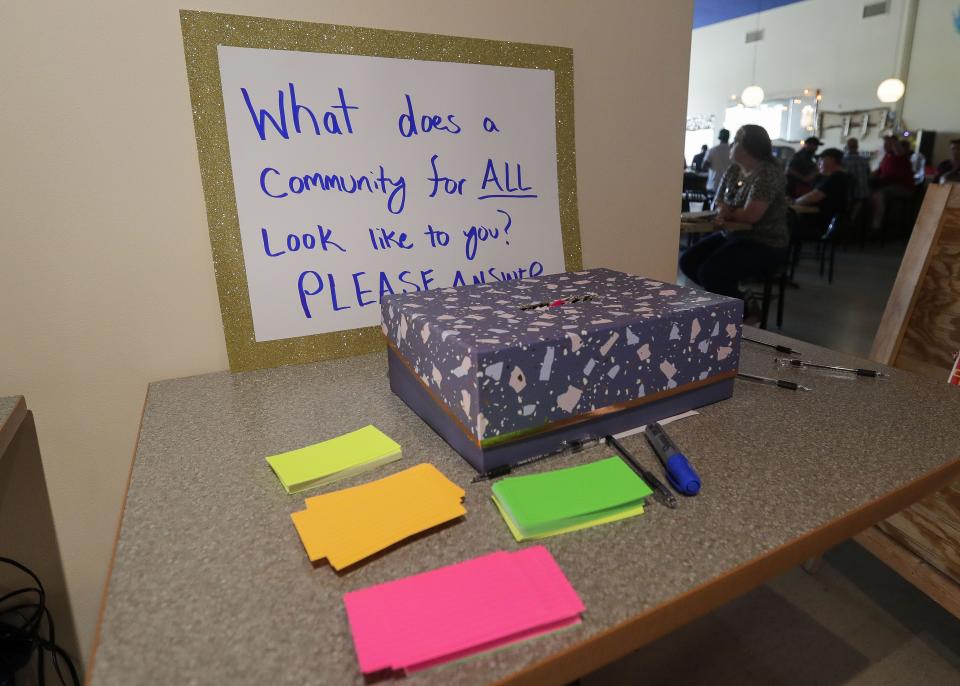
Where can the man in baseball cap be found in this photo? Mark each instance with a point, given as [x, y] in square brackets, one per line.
[830, 193]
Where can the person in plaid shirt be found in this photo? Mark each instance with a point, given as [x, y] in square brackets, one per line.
[858, 167]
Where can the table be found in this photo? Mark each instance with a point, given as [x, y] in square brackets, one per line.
[210, 583]
[13, 410]
[693, 222]
[27, 531]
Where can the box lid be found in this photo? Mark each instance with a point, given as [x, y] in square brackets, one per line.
[517, 355]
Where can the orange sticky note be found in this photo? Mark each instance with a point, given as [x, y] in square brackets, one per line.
[351, 524]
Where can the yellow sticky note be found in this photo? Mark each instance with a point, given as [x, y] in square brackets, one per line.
[335, 459]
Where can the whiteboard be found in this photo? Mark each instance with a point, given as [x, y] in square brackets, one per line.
[357, 176]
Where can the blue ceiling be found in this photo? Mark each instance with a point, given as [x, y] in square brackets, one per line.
[706, 12]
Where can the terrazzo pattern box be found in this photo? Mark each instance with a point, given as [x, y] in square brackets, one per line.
[511, 370]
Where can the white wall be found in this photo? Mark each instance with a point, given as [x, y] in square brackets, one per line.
[105, 269]
[823, 44]
[932, 99]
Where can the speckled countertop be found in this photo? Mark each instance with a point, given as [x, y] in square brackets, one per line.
[210, 583]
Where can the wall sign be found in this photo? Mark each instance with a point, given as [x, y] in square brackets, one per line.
[340, 164]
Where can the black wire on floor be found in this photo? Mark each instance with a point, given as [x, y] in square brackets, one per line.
[22, 613]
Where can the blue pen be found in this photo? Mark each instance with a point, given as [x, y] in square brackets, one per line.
[679, 472]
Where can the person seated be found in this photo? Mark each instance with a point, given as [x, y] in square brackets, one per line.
[950, 167]
[753, 191]
[802, 168]
[831, 193]
[894, 169]
[858, 167]
[918, 163]
[717, 161]
[727, 187]
[697, 164]
[893, 179]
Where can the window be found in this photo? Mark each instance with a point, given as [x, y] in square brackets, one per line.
[787, 119]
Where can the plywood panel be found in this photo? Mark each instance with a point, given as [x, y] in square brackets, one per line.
[886, 344]
[931, 529]
[912, 568]
[920, 332]
[932, 334]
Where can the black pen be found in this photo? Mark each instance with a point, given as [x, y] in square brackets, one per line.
[503, 470]
[775, 346]
[782, 383]
[859, 371]
[660, 492]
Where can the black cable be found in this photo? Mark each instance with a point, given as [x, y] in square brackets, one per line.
[19, 641]
[26, 636]
[58, 650]
[51, 645]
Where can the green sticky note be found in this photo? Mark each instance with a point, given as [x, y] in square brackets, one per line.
[335, 459]
[571, 498]
[585, 524]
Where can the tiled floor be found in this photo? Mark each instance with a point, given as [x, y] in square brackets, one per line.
[843, 315]
[855, 622]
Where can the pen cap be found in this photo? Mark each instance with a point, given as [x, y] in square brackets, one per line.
[681, 475]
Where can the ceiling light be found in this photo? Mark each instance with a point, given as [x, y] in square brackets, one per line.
[891, 90]
[752, 96]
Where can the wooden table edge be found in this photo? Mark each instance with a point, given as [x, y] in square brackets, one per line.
[88, 676]
[619, 641]
[12, 424]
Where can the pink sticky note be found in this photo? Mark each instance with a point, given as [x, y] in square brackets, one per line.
[454, 611]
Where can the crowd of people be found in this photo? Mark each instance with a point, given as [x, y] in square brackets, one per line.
[749, 185]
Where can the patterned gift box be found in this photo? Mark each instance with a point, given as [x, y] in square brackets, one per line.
[509, 370]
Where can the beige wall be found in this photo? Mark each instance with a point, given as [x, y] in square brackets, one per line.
[932, 100]
[824, 44]
[106, 279]
[827, 44]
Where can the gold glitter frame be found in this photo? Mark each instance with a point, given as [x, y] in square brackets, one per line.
[204, 31]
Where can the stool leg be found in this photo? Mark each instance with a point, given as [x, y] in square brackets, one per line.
[781, 297]
[833, 252]
[765, 306]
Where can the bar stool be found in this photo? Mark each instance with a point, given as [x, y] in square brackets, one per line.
[778, 276]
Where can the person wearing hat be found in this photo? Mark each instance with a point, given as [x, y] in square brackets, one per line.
[802, 169]
[831, 192]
